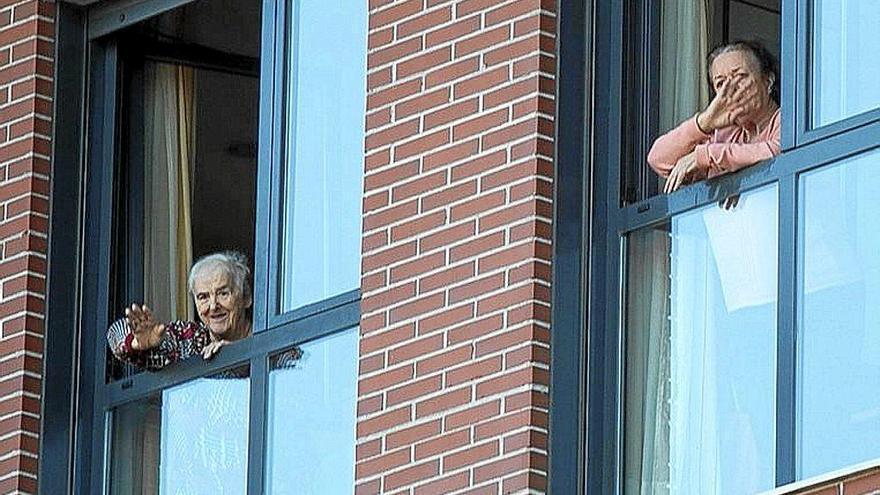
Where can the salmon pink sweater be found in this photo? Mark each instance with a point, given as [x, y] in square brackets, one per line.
[725, 150]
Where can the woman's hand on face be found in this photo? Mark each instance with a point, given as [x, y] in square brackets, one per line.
[147, 332]
[682, 173]
[732, 100]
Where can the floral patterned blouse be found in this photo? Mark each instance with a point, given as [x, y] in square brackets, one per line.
[181, 340]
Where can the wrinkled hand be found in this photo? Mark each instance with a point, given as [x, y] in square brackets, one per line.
[682, 173]
[211, 349]
[147, 332]
[735, 99]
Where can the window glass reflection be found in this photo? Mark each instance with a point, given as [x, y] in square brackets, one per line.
[701, 351]
[845, 62]
[189, 439]
[839, 320]
[311, 437]
[320, 251]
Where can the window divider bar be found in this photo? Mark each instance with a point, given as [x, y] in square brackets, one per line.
[790, 74]
[786, 333]
[259, 382]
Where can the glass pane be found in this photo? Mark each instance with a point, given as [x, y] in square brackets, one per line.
[845, 63]
[839, 320]
[311, 439]
[701, 351]
[321, 233]
[189, 439]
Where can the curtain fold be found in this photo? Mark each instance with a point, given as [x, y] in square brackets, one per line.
[169, 141]
[684, 47]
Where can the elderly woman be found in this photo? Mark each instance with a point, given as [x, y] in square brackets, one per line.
[219, 285]
[738, 128]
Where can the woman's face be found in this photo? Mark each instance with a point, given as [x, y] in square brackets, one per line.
[220, 307]
[741, 68]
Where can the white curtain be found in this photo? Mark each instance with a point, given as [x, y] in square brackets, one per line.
[169, 143]
[684, 46]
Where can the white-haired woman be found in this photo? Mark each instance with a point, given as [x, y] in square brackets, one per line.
[219, 285]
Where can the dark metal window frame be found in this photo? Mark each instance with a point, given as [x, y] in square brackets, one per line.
[74, 446]
[587, 364]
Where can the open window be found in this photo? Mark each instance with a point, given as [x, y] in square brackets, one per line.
[186, 181]
[668, 74]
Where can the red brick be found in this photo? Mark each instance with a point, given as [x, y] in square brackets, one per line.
[375, 201]
[450, 195]
[523, 482]
[529, 398]
[507, 299]
[414, 390]
[378, 159]
[507, 257]
[470, 456]
[477, 205]
[434, 405]
[503, 467]
[537, 22]
[424, 62]
[480, 124]
[388, 297]
[466, 7]
[378, 119]
[393, 134]
[452, 154]
[503, 424]
[419, 306]
[415, 349]
[479, 165]
[385, 380]
[482, 41]
[382, 259]
[422, 144]
[481, 82]
[424, 22]
[510, 92]
[379, 38]
[419, 225]
[472, 415]
[508, 134]
[451, 113]
[448, 484]
[422, 102]
[392, 94]
[525, 440]
[511, 380]
[476, 247]
[382, 463]
[412, 475]
[445, 443]
[386, 339]
[412, 434]
[446, 277]
[391, 215]
[863, 485]
[476, 288]
[534, 63]
[446, 318]
[393, 52]
[418, 266]
[475, 329]
[419, 186]
[368, 449]
[379, 78]
[371, 242]
[391, 175]
[371, 364]
[451, 72]
[527, 354]
[443, 360]
[511, 10]
[473, 371]
[453, 31]
[395, 13]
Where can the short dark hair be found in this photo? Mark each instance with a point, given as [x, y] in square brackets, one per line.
[767, 62]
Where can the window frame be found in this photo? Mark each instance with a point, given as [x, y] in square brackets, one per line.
[805, 132]
[605, 221]
[91, 63]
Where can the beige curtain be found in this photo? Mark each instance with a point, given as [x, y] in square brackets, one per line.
[648, 351]
[169, 141]
[684, 46]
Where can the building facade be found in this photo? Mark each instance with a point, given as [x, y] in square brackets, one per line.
[464, 278]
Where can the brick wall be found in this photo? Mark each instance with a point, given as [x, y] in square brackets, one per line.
[456, 247]
[854, 481]
[26, 71]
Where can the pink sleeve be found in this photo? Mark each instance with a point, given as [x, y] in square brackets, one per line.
[722, 158]
[673, 145]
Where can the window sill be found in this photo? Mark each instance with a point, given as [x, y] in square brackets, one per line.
[825, 480]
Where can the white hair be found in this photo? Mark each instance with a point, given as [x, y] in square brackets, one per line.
[233, 262]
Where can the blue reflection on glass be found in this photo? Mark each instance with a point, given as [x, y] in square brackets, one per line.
[839, 320]
[325, 139]
[311, 437]
[846, 63]
[204, 437]
[701, 351]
